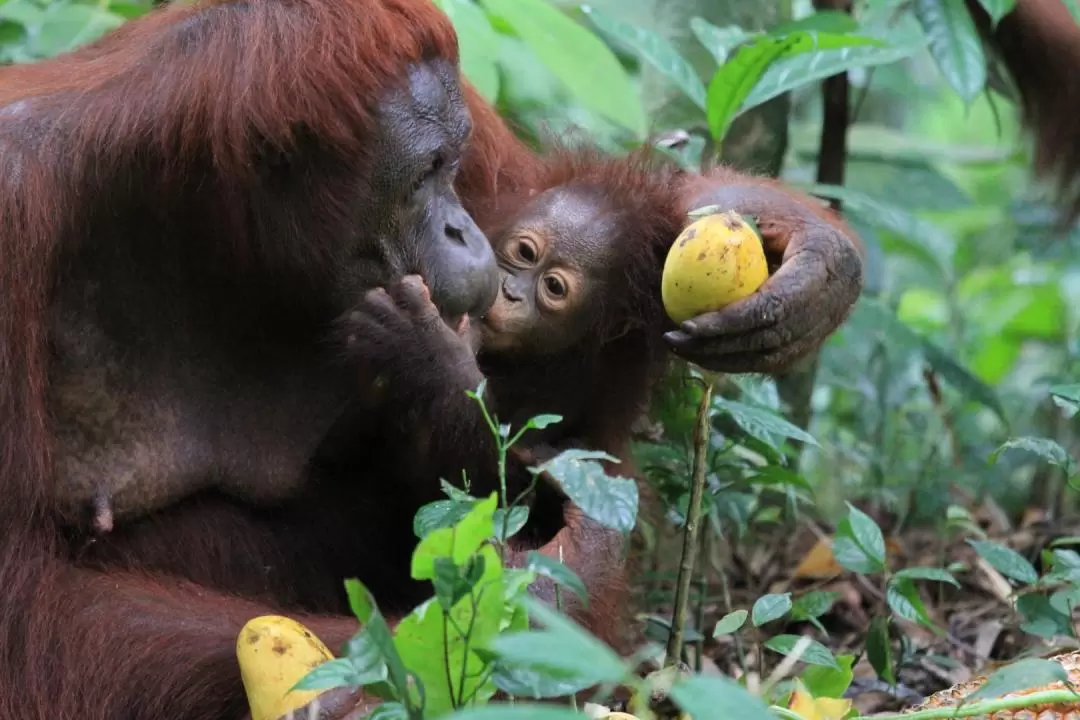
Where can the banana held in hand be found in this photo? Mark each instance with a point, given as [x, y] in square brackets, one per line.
[715, 261]
[274, 653]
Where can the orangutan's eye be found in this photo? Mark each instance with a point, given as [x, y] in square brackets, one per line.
[555, 286]
[526, 251]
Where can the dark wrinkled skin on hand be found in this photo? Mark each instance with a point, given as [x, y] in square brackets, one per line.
[396, 333]
[798, 307]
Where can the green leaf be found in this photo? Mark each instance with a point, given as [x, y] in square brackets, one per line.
[761, 423]
[610, 501]
[562, 647]
[1006, 561]
[997, 9]
[1045, 448]
[926, 573]
[929, 243]
[478, 44]
[577, 57]
[730, 623]
[557, 571]
[655, 50]
[536, 684]
[814, 653]
[813, 604]
[542, 421]
[519, 515]
[829, 682]
[879, 650]
[439, 514]
[456, 543]
[1020, 675]
[1067, 396]
[852, 557]
[954, 44]
[1041, 617]
[718, 697]
[787, 74]
[441, 653]
[340, 673]
[733, 81]
[375, 634]
[867, 534]
[770, 607]
[903, 597]
[719, 41]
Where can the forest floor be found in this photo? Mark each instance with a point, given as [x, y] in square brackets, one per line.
[978, 626]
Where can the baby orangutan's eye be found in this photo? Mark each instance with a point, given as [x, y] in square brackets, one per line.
[555, 287]
[526, 251]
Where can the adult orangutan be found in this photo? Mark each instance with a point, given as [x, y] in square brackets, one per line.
[186, 207]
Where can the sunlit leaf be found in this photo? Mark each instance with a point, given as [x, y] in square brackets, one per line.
[787, 74]
[770, 607]
[730, 623]
[830, 682]
[439, 651]
[577, 56]
[719, 41]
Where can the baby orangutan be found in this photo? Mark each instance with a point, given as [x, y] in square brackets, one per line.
[576, 330]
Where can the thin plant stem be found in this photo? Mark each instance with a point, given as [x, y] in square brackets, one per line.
[693, 518]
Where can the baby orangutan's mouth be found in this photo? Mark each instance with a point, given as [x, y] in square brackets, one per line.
[459, 324]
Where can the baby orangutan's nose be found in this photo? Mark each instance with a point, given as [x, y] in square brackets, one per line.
[513, 289]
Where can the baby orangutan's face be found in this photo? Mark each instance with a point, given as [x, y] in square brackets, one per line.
[553, 260]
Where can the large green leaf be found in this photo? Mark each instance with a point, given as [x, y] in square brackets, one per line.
[789, 73]
[954, 44]
[577, 57]
[733, 82]
[443, 653]
[479, 45]
[655, 50]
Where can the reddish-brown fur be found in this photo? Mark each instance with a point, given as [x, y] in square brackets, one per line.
[1039, 43]
[100, 636]
[599, 384]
